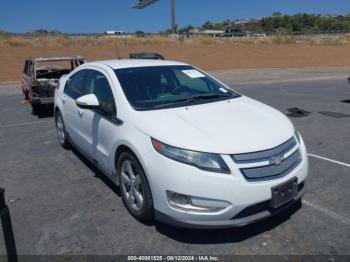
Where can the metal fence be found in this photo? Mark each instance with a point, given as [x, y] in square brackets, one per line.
[330, 32]
[66, 34]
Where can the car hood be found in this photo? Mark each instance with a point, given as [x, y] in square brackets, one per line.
[238, 125]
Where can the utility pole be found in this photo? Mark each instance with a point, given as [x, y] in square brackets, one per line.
[144, 3]
[173, 20]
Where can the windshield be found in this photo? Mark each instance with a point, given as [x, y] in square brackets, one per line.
[156, 87]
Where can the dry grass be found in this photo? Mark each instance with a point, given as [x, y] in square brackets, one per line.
[205, 52]
[58, 41]
[64, 41]
[14, 41]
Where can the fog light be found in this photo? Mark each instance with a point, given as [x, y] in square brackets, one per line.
[186, 203]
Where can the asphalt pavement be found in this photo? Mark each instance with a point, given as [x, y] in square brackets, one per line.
[60, 204]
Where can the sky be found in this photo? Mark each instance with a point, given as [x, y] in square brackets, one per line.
[82, 16]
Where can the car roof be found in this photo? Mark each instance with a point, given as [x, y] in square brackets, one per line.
[56, 58]
[128, 63]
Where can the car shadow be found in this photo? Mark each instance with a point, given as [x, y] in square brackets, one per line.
[45, 113]
[228, 235]
[98, 174]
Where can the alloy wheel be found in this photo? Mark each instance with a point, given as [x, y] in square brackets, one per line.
[60, 129]
[132, 185]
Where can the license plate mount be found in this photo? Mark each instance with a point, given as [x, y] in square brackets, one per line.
[283, 193]
[45, 101]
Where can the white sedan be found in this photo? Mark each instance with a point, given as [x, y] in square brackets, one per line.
[183, 147]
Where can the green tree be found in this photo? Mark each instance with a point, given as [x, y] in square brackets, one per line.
[278, 23]
[185, 29]
[207, 25]
[140, 33]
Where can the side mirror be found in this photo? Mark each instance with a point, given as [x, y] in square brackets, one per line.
[87, 102]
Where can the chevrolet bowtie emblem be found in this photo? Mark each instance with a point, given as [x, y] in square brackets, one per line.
[276, 160]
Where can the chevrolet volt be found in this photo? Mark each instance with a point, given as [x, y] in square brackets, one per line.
[184, 148]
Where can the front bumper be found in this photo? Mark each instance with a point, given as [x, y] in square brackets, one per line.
[234, 222]
[42, 100]
[239, 194]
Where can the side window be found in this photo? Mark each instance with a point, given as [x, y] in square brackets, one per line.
[75, 87]
[25, 67]
[163, 80]
[98, 85]
[29, 68]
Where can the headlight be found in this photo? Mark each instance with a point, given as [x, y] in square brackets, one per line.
[205, 161]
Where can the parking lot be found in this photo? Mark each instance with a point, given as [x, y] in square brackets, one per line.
[60, 204]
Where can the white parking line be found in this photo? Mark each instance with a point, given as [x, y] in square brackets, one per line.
[328, 212]
[24, 124]
[330, 160]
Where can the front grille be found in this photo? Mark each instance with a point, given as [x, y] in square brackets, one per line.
[275, 169]
[265, 154]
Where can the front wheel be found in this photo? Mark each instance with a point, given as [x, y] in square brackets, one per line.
[36, 109]
[134, 187]
[61, 131]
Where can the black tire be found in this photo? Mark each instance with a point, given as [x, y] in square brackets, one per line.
[26, 94]
[61, 131]
[36, 109]
[146, 212]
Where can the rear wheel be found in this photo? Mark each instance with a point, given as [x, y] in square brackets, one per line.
[134, 187]
[61, 131]
[36, 109]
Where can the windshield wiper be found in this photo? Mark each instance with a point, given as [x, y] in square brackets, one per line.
[210, 96]
[193, 99]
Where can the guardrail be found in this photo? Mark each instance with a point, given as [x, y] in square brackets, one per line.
[10, 244]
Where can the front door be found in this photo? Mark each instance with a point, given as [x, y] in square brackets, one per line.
[104, 128]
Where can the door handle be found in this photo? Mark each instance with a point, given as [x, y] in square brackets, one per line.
[64, 99]
[80, 112]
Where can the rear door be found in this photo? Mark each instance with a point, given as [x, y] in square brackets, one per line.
[27, 73]
[77, 120]
[24, 85]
